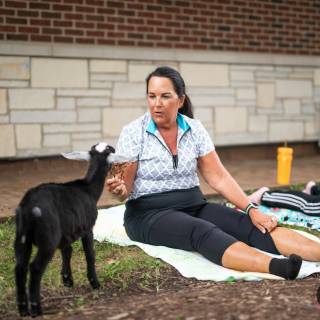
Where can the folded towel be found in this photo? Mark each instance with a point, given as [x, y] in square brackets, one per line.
[293, 218]
[109, 227]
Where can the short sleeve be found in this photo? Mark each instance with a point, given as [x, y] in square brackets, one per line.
[204, 142]
[129, 143]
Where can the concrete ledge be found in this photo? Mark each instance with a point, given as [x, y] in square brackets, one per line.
[21, 48]
[266, 151]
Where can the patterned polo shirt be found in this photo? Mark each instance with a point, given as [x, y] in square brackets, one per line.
[158, 170]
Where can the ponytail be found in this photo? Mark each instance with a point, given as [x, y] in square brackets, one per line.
[186, 109]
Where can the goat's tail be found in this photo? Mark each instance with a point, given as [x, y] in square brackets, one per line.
[23, 222]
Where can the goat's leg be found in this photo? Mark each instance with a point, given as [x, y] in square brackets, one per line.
[37, 268]
[66, 272]
[87, 243]
[22, 253]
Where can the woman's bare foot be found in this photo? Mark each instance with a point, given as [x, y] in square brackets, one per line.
[256, 196]
[307, 188]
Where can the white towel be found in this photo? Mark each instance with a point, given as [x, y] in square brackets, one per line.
[109, 227]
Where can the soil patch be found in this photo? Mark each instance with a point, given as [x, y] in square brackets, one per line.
[175, 297]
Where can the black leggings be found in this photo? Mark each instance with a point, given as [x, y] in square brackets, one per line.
[209, 231]
[294, 200]
[206, 228]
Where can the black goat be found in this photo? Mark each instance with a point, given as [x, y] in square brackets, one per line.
[53, 215]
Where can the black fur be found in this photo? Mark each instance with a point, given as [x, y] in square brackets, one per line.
[51, 216]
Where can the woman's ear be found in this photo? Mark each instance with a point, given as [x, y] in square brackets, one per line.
[181, 101]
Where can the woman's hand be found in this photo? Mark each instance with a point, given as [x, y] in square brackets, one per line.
[117, 187]
[121, 187]
[262, 221]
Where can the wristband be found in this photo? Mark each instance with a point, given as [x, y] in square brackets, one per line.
[250, 206]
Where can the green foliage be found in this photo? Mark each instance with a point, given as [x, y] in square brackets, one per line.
[314, 232]
[116, 266]
[231, 279]
[7, 232]
[120, 263]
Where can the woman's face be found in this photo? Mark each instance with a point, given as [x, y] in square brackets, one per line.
[163, 101]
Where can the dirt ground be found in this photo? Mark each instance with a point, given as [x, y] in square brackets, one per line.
[204, 300]
[180, 298]
[174, 297]
[18, 176]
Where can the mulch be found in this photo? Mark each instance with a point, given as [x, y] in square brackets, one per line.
[176, 297]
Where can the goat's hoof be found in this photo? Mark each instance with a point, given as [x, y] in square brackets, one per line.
[36, 310]
[23, 310]
[67, 281]
[95, 284]
[24, 313]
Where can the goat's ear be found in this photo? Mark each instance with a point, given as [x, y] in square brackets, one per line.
[117, 158]
[77, 155]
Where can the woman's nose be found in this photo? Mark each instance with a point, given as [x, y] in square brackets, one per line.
[158, 101]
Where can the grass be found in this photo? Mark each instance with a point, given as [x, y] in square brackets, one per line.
[117, 267]
[311, 231]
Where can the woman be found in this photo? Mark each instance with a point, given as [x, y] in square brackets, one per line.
[165, 205]
[306, 201]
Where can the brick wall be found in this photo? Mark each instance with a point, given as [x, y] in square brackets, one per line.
[275, 26]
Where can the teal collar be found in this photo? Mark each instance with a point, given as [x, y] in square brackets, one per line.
[182, 123]
[152, 127]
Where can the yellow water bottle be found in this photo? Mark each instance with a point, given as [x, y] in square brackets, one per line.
[284, 165]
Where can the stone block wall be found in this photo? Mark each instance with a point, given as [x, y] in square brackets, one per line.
[51, 104]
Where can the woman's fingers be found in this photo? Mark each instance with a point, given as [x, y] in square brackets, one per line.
[112, 180]
[119, 189]
[269, 228]
[261, 228]
[263, 222]
[116, 186]
[270, 223]
[274, 221]
[259, 220]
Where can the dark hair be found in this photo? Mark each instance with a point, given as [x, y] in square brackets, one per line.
[178, 85]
